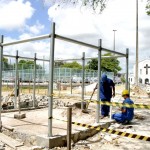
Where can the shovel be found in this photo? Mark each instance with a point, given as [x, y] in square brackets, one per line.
[87, 104]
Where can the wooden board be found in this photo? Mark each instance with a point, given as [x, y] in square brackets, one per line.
[9, 141]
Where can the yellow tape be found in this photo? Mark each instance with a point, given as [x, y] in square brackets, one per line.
[50, 95]
[120, 133]
[120, 104]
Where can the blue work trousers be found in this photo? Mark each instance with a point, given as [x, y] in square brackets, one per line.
[119, 117]
[104, 108]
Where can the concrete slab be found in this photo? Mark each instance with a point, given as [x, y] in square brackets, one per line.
[20, 116]
[33, 130]
[9, 141]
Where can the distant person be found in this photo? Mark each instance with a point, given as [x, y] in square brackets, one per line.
[107, 90]
[126, 114]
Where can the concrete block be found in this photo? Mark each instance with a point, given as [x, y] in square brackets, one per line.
[78, 105]
[19, 116]
[51, 142]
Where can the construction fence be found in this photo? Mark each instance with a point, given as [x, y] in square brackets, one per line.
[60, 74]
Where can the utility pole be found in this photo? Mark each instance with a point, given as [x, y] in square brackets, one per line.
[137, 48]
[114, 39]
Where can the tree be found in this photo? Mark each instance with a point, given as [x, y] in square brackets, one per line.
[148, 7]
[110, 64]
[73, 64]
[59, 63]
[93, 64]
[6, 65]
[107, 64]
[94, 4]
[27, 64]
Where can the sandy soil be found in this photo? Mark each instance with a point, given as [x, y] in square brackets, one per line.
[104, 141]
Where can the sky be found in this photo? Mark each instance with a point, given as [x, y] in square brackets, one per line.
[21, 19]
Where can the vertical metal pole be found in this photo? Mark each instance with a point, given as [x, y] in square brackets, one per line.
[59, 74]
[59, 86]
[16, 80]
[65, 74]
[71, 85]
[99, 76]
[18, 94]
[127, 66]
[69, 127]
[71, 80]
[114, 39]
[1, 68]
[43, 69]
[129, 88]
[34, 82]
[51, 70]
[83, 70]
[137, 48]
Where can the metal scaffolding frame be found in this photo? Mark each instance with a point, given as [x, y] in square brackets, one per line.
[51, 67]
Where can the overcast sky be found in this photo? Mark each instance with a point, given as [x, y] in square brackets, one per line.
[27, 18]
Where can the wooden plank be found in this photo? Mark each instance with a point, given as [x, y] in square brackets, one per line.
[9, 141]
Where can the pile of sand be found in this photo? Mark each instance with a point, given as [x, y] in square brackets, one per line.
[88, 88]
[138, 90]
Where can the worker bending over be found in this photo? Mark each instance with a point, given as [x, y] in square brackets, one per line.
[126, 114]
[107, 90]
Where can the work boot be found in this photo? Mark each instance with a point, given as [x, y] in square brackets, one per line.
[102, 117]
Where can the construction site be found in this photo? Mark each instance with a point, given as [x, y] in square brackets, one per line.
[30, 132]
[67, 115]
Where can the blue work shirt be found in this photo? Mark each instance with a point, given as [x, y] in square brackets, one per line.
[129, 111]
[106, 89]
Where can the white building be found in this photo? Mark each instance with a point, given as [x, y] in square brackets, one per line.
[143, 72]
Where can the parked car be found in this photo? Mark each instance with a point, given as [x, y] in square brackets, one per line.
[87, 80]
[8, 79]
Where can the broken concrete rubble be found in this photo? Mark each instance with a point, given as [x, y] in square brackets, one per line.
[104, 141]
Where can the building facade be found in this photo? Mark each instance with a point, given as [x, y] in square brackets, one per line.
[143, 72]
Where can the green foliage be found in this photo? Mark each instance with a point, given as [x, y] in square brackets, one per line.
[95, 5]
[93, 64]
[107, 64]
[73, 64]
[148, 7]
[123, 80]
[6, 65]
[110, 64]
[59, 63]
[27, 64]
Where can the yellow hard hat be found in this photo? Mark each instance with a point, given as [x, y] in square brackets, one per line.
[125, 92]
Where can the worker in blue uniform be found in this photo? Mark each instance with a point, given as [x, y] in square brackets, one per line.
[126, 114]
[107, 90]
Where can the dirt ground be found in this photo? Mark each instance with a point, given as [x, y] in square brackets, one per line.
[104, 141]
[140, 125]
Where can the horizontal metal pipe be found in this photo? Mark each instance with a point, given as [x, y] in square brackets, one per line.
[39, 59]
[112, 56]
[85, 44]
[27, 40]
[58, 60]
[26, 58]
[75, 41]
[61, 38]
[114, 52]
[11, 56]
[67, 59]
